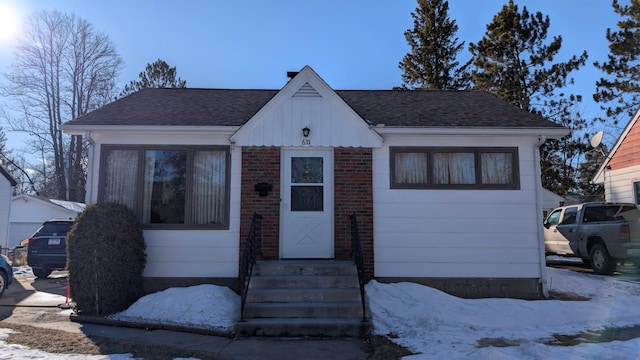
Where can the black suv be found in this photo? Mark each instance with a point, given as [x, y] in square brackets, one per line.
[47, 249]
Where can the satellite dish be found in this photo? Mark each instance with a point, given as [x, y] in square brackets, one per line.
[596, 140]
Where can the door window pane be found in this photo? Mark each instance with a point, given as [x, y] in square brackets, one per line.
[307, 198]
[306, 170]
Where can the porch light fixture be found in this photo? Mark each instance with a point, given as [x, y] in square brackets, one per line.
[306, 131]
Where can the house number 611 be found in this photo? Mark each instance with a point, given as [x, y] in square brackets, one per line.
[306, 141]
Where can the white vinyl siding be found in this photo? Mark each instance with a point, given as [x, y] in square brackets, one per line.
[5, 205]
[454, 233]
[619, 184]
[184, 253]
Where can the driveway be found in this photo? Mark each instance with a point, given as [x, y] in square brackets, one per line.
[36, 301]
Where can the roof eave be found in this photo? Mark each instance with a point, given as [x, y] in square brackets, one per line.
[548, 132]
[176, 129]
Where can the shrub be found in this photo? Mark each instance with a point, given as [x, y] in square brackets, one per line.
[105, 259]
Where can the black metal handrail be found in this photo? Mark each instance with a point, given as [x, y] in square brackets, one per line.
[252, 248]
[356, 251]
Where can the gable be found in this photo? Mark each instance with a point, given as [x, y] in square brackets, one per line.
[307, 102]
[624, 153]
[4, 173]
[628, 153]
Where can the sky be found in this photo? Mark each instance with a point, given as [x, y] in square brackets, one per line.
[431, 323]
[354, 44]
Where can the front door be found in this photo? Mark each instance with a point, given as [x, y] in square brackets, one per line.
[307, 204]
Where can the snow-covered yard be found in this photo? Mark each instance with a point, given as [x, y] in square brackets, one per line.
[432, 324]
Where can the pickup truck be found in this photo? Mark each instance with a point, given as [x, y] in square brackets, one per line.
[601, 234]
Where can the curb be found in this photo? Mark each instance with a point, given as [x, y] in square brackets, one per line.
[85, 319]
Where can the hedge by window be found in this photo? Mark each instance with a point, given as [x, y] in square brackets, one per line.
[454, 168]
[169, 187]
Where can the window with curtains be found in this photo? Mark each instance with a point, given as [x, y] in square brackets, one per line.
[454, 168]
[169, 187]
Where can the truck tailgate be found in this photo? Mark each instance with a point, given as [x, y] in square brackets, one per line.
[633, 217]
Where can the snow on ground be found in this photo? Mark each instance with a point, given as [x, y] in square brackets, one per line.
[431, 323]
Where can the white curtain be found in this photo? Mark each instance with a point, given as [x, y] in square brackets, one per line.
[149, 172]
[497, 168]
[208, 190]
[411, 168]
[454, 168]
[121, 177]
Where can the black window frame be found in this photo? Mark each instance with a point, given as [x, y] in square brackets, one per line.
[190, 149]
[513, 185]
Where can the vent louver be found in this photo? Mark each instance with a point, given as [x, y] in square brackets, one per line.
[307, 91]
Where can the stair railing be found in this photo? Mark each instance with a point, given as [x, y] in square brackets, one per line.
[356, 251]
[252, 248]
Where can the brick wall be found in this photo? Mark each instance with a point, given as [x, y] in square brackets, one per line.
[353, 194]
[261, 164]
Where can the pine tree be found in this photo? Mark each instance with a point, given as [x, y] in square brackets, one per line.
[432, 63]
[513, 62]
[622, 88]
[156, 75]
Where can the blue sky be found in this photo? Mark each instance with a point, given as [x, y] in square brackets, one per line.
[351, 44]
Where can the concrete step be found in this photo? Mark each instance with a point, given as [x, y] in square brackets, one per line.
[304, 281]
[304, 267]
[304, 298]
[346, 310]
[303, 295]
[324, 327]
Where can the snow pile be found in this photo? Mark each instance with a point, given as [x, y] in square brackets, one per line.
[202, 306]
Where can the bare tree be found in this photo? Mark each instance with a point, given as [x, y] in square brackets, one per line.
[62, 69]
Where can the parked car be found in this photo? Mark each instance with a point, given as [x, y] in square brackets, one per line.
[6, 274]
[47, 247]
[601, 234]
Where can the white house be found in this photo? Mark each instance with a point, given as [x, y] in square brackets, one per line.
[620, 173]
[7, 182]
[445, 184]
[29, 212]
[550, 201]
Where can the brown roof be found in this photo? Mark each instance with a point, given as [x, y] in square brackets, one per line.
[397, 108]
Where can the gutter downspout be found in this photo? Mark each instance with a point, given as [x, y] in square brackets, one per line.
[89, 185]
[540, 217]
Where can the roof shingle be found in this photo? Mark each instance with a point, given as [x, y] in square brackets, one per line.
[234, 107]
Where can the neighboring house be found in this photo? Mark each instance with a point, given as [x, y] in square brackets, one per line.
[620, 173]
[445, 184]
[550, 201]
[29, 212]
[7, 182]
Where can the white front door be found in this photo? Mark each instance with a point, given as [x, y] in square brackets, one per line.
[306, 230]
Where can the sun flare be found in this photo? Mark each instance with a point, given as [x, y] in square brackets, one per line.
[9, 23]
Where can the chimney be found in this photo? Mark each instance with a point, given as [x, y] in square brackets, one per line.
[292, 74]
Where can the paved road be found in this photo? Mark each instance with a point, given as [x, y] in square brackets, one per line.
[628, 271]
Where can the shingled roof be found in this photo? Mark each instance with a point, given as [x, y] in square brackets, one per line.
[234, 107]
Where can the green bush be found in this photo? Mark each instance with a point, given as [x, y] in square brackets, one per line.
[105, 259]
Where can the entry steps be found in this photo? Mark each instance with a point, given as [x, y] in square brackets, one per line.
[304, 298]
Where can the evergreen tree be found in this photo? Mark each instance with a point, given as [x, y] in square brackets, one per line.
[432, 63]
[621, 90]
[512, 60]
[156, 75]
